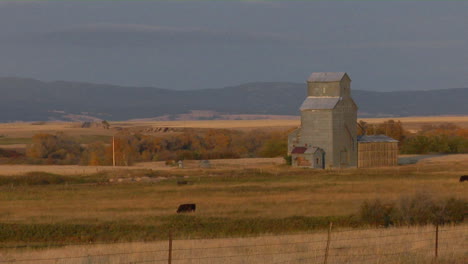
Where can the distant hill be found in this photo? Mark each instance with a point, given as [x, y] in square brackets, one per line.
[24, 99]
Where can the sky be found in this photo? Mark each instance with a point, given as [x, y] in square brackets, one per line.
[186, 45]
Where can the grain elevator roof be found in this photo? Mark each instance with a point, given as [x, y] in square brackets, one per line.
[319, 103]
[326, 76]
[375, 138]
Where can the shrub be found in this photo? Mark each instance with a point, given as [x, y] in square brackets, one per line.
[376, 213]
[453, 211]
[420, 209]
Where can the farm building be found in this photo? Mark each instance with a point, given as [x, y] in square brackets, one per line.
[308, 156]
[328, 120]
[327, 137]
[377, 151]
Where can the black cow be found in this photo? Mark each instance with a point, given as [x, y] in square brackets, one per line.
[182, 182]
[463, 178]
[186, 208]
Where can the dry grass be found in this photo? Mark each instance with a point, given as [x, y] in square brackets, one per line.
[63, 169]
[411, 122]
[272, 191]
[392, 245]
[414, 123]
[27, 130]
[157, 166]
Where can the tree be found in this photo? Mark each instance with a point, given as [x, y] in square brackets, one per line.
[54, 149]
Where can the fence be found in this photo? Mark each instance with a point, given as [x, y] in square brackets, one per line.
[391, 245]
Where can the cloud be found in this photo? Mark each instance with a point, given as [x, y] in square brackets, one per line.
[108, 34]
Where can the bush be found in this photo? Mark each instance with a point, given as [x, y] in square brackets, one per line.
[378, 214]
[420, 209]
[453, 211]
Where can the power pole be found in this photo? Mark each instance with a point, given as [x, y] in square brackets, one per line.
[113, 151]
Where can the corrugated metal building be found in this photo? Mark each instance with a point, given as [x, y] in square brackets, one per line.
[328, 129]
[328, 120]
[377, 151]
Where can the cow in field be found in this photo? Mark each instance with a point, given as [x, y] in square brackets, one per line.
[463, 178]
[186, 208]
[182, 182]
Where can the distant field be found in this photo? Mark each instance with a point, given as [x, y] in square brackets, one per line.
[410, 122]
[25, 130]
[414, 123]
[14, 141]
[21, 131]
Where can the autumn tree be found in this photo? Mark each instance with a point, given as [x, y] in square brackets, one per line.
[54, 149]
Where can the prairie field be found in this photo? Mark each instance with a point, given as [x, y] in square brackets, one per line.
[230, 200]
[103, 214]
[24, 130]
[18, 135]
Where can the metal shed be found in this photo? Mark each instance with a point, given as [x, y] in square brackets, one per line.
[377, 151]
[308, 157]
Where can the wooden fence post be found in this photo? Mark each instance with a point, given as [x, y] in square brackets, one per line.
[436, 240]
[328, 243]
[169, 258]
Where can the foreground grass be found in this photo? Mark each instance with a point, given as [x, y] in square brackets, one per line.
[389, 245]
[157, 228]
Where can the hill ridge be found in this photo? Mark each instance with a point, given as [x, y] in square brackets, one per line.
[27, 99]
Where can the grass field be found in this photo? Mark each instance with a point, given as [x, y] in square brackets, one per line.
[18, 135]
[230, 201]
[235, 198]
[27, 130]
[393, 245]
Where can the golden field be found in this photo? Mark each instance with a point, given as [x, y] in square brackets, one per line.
[28, 129]
[285, 208]
[18, 135]
[226, 190]
[394, 245]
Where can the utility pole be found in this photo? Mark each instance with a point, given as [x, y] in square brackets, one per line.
[113, 151]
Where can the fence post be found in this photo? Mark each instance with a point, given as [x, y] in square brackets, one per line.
[328, 243]
[436, 240]
[169, 258]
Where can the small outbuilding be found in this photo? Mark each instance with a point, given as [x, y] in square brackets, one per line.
[205, 164]
[377, 151]
[308, 157]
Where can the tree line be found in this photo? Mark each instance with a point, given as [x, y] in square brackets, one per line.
[441, 138]
[128, 148]
[200, 144]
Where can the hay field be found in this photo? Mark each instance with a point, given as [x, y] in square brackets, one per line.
[393, 245]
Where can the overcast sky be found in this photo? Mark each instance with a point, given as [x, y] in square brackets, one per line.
[384, 46]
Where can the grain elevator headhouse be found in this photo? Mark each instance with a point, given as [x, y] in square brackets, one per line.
[328, 124]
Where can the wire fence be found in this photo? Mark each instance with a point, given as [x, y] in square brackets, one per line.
[390, 245]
